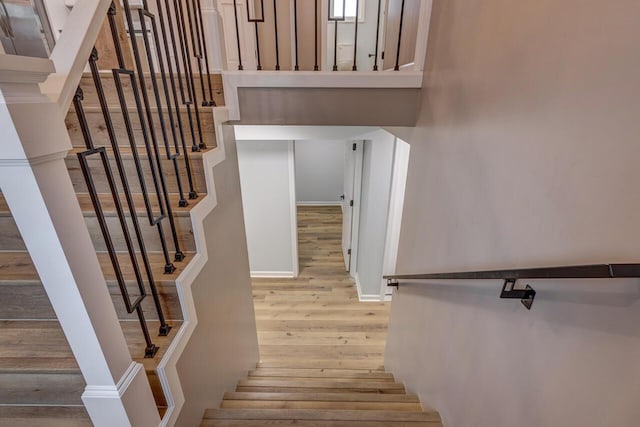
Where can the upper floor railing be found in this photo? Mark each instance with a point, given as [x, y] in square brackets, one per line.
[325, 35]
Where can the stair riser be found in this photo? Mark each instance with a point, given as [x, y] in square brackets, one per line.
[99, 176]
[23, 301]
[10, 237]
[100, 135]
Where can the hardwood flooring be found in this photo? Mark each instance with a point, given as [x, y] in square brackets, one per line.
[316, 317]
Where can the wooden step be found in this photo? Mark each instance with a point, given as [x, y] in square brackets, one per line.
[363, 374]
[315, 423]
[318, 384]
[102, 186]
[316, 363]
[18, 266]
[95, 120]
[44, 416]
[322, 396]
[303, 404]
[41, 388]
[321, 415]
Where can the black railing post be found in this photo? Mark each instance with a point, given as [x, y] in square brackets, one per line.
[315, 36]
[331, 17]
[211, 102]
[235, 14]
[355, 39]
[275, 27]
[255, 23]
[397, 67]
[295, 33]
[375, 60]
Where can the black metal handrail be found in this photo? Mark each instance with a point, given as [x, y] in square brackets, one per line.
[511, 276]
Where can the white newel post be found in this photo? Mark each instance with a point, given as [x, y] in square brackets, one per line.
[40, 195]
[214, 33]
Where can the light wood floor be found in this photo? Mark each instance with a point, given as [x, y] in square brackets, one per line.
[316, 319]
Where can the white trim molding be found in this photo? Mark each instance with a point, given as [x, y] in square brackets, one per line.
[274, 274]
[293, 212]
[366, 297]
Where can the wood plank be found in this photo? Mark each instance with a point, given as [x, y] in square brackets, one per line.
[325, 415]
[44, 416]
[322, 396]
[313, 423]
[296, 404]
[320, 373]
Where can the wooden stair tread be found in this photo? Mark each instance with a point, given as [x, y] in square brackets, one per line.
[315, 423]
[44, 416]
[108, 206]
[313, 363]
[318, 383]
[32, 340]
[16, 266]
[326, 414]
[320, 404]
[321, 373]
[325, 397]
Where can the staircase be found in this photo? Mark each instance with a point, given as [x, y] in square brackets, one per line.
[321, 349]
[320, 396]
[40, 382]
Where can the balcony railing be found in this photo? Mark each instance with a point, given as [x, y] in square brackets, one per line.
[325, 35]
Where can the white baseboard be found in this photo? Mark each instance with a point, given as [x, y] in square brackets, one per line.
[275, 274]
[331, 203]
[366, 297]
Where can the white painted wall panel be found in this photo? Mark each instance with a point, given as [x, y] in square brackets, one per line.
[319, 171]
[266, 182]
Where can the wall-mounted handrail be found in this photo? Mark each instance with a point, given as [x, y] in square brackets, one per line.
[591, 271]
[511, 276]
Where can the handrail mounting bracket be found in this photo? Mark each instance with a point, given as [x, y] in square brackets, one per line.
[526, 295]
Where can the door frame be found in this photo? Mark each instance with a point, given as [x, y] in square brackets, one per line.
[399, 172]
[355, 213]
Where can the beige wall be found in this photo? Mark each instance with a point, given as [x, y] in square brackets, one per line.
[525, 154]
[224, 344]
[329, 106]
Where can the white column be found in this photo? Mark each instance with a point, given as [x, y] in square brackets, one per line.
[36, 185]
[213, 31]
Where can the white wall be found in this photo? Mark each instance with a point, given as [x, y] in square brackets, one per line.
[319, 171]
[268, 200]
[525, 154]
[374, 211]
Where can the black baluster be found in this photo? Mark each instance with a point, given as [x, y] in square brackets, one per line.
[315, 36]
[186, 66]
[336, 19]
[255, 23]
[153, 221]
[179, 255]
[190, 81]
[275, 27]
[235, 14]
[167, 55]
[375, 60]
[197, 48]
[131, 306]
[397, 67]
[295, 25]
[211, 102]
[355, 42]
[164, 327]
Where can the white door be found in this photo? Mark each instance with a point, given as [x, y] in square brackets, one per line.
[351, 202]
